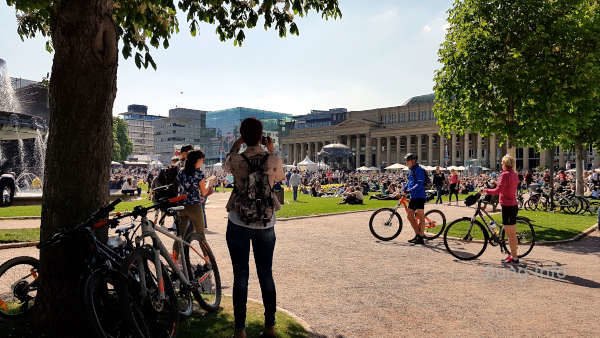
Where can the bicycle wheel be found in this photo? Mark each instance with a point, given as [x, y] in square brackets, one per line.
[204, 272]
[465, 239]
[105, 297]
[385, 224]
[529, 205]
[18, 286]
[525, 237]
[435, 222]
[161, 316]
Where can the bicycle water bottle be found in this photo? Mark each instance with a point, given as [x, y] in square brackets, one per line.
[493, 227]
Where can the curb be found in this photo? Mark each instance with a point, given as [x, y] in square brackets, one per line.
[583, 234]
[17, 218]
[18, 245]
[298, 319]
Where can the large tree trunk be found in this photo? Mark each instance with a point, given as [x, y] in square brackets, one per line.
[82, 92]
[580, 160]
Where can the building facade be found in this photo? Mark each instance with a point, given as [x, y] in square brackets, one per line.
[381, 137]
[140, 130]
[184, 126]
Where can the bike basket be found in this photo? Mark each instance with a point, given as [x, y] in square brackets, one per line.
[472, 199]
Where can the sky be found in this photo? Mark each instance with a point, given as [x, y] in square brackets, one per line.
[378, 55]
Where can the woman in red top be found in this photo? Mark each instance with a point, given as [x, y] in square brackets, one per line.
[454, 184]
[506, 187]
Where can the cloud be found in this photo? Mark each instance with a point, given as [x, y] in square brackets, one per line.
[427, 29]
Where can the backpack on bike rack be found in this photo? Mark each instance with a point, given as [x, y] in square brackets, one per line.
[254, 200]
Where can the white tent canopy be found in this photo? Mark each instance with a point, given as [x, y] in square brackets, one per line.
[373, 169]
[363, 168]
[308, 165]
[396, 166]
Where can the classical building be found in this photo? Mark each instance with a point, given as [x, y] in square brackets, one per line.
[380, 137]
[140, 130]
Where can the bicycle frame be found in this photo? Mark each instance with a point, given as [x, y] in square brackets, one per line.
[149, 229]
[403, 201]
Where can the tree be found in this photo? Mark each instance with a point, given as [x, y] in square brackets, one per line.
[84, 36]
[508, 68]
[122, 146]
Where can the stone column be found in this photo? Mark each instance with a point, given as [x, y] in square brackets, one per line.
[419, 147]
[479, 147]
[596, 163]
[442, 150]
[398, 155]
[466, 149]
[357, 150]
[388, 150]
[493, 150]
[378, 153]
[525, 158]
[430, 149]
[368, 150]
[453, 150]
[408, 143]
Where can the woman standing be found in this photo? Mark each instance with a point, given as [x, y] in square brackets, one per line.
[506, 187]
[192, 183]
[454, 182]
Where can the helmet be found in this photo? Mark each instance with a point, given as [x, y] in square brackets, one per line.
[410, 156]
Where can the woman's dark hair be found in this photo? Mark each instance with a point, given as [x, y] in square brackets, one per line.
[190, 164]
[251, 131]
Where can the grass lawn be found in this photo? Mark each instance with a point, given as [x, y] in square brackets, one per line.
[215, 325]
[36, 210]
[556, 226]
[308, 205]
[19, 235]
[221, 324]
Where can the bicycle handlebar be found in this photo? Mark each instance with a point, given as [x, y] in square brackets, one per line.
[95, 221]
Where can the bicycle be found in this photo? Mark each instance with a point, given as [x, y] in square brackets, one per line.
[467, 238]
[107, 303]
[198, 275]
[382, 222]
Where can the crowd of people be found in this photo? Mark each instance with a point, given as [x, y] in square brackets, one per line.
[387, 186]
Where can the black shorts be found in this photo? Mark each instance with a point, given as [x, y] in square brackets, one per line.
[453, 189]
[509, 214]
[417, 204]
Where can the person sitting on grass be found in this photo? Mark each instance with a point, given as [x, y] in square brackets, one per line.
[393, 193]
[354, 196]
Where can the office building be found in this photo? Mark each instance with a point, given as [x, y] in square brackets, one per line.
[140, 130]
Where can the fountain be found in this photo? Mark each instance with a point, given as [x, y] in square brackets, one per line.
[23, 139]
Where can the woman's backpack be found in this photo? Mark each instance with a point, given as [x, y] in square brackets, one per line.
[254, 200]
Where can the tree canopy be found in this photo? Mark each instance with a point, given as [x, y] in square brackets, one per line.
[519, 69]
[122, 146]
[142, 24]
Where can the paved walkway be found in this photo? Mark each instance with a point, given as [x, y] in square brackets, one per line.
[334, 274]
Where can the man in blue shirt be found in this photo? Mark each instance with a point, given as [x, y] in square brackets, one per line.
[416, 188]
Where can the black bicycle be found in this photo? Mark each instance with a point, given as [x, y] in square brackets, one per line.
[467, 238]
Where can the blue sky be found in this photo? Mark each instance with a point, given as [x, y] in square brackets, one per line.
[379, 54]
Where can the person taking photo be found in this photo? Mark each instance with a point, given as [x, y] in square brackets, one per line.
[251, 219]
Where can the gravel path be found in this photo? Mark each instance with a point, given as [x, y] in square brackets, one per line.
[331, 272]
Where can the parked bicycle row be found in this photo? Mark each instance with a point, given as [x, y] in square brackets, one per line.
[133, 285]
